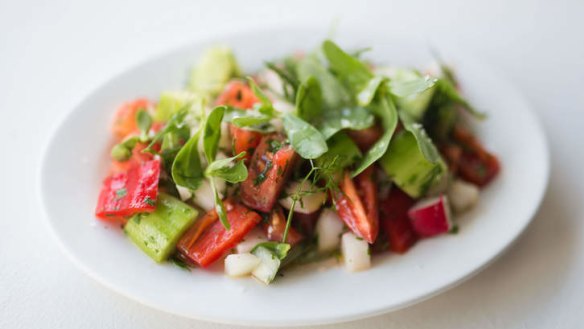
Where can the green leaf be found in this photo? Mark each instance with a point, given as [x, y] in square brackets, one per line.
[366, 95]
[309, 100]
[342, 152]
[229, 169]
[425, 144]
[246, 118]
[175, 123]
[278, 249]
[347, 118]
[305, 139]
[288, 78]
[266, 104]
[144, 122]
[333, 92]
[123, 150]
[385, 109]
[448, 90]
[405, 88]
[219, 206]
[186, 168]
[212, 133]
[354, 74]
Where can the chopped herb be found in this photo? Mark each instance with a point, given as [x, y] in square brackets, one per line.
[264, 174]
[122, 192]
[149, 201]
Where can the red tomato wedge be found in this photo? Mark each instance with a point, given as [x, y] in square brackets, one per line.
[237, 94]
[268, 171]
[276, 226]
[476, 164]
[358, 214]
[216, 240]
[129, 192]
[244, 140]
[125, 119]
[395, 222]
[365, 138]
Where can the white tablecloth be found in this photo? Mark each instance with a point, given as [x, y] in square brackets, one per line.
[53, 53]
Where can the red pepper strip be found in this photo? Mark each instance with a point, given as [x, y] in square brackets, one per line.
[216, 241]
[130, 192]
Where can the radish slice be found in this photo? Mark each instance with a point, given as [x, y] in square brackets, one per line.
[462, 195]
[241, 264]
[328, 230]
[355, 252]
[431, 217]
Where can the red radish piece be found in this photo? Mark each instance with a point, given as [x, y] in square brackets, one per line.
[431, 217]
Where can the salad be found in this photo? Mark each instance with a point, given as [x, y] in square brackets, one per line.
[318, 155]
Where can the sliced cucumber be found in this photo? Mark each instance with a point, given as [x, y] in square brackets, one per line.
[157, 233]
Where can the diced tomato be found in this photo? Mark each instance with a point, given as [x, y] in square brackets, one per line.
[276, 226]
[395, 221]
[129, 192]
[269, 168]
[360, 218]
[476, 164]
[244, 140]
[237, 94]
[365, 138]
[125, 119]
[216, 240]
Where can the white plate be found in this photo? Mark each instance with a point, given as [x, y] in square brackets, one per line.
[76, 160]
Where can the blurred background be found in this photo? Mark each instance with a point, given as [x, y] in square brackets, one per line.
[53, 53]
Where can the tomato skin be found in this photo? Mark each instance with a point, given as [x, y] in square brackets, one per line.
[129, 192]
[352, 210]
[476, 164]
[276, 226]
[244, 140]
[125, 118]
[215, 241]
[237, 94]
[365, 138]
[395, 222]
[267, 173]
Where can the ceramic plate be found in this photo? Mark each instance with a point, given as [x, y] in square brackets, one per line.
[76, 161]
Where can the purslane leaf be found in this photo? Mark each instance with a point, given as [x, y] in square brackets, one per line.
[309, 100]
[386, 110]
[350, 70]
[402, 88]
[347, 118]
[304, 138]
[212, 133]
[186, 168]
[231, 169]
[333, 92]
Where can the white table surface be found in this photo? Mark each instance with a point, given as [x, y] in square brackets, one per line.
[52, 53]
